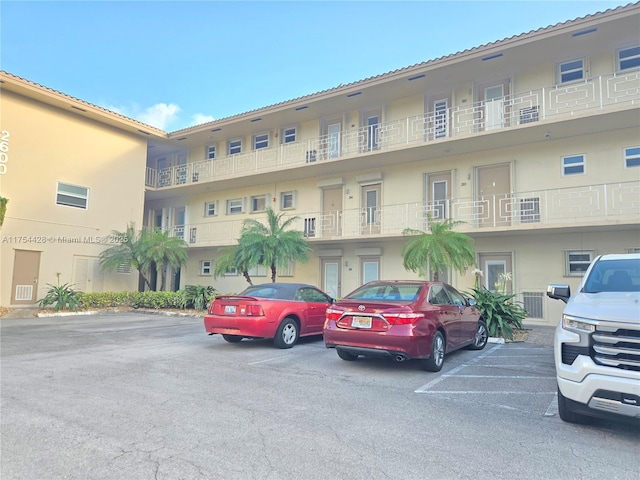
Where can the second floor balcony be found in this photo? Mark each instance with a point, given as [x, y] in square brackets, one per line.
[586, 206]
[590, 97]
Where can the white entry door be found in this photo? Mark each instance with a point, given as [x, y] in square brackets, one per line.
[333, 140]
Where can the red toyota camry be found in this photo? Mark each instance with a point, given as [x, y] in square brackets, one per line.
[282, 311]
[404, 320]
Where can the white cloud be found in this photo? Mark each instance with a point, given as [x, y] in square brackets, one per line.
[200, 118]
[159, 115]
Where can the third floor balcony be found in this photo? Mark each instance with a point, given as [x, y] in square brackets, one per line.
[593, 96]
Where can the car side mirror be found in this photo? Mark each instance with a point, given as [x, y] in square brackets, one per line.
[559, 292]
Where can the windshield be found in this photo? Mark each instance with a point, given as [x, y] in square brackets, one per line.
[614, 276]
[387, 292]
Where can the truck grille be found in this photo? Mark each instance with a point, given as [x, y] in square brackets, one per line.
[617, 348]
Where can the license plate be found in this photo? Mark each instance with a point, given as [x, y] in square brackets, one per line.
[230, 309]
[361, 322]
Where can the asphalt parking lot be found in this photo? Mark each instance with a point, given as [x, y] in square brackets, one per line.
[141, 396]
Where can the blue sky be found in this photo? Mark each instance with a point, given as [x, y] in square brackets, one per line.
[178, 64]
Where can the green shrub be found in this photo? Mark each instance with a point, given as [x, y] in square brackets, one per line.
[106, 299]
[501, 313]
[62, 297]
[197, 296]
[151, 299]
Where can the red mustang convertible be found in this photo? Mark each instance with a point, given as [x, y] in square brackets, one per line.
[282, 311]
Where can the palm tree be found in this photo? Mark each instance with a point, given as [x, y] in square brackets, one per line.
[273, 245]
[440, 248]
[232, 257]
[164, 250]
[131, 252]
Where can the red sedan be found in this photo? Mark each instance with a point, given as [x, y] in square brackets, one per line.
[404, 320]
[282, 311]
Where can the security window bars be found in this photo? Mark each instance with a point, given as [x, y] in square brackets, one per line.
[72, 196]
[532, 303]
[629, 58]
[573, 165]
[632, 157]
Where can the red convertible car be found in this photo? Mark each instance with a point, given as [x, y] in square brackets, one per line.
[282, 311]
[404, 320]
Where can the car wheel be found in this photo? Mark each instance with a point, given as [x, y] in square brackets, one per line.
[232, 338]
[344, 355]
[287, 333]
[481, 337]
[568, 415]
[436, 360]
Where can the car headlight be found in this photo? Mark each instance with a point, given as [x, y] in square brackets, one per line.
[577, 324]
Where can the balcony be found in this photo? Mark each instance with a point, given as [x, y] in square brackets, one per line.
[585, 206]
[603, 93]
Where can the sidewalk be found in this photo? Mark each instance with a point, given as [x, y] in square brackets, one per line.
[540, 334]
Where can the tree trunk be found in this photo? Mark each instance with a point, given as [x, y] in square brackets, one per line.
[273, 273]
[245, 274]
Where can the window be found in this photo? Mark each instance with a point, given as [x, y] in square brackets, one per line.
[205, 267]
[287, 200]
[72, 195]
[210, 209]
[258, 271]
[258, 203]
[629, 58]
[573, 165]
[632, 157]
[211, 152]
[286, 271]
[288, 135]
[231, 271]
[235, 206]
[370, 269]
[571, 71]
[260, 141]
[577, 262]
[234, 147]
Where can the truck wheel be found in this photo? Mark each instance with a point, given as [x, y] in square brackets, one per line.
[568, 415]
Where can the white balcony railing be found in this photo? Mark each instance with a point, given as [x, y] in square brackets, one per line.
[559, 101]
[613, 203]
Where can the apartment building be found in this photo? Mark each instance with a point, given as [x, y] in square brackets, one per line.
[72, 172]
[533, 142]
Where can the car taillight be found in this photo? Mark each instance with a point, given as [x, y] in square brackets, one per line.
[333, 314]
[254, 311]
[403, 318]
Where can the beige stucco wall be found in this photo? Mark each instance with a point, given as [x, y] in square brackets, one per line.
[48, 145]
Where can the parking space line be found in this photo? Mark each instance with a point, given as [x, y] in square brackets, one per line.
[483, 392]
[499, 376]
[553, 407]
[426, 387]
[269, 359]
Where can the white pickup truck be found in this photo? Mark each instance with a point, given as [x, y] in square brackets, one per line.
[597, 343]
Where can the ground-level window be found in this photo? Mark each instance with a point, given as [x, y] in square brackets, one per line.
[577, 261]
[205, 267]
[72, 195]
[632, 157]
